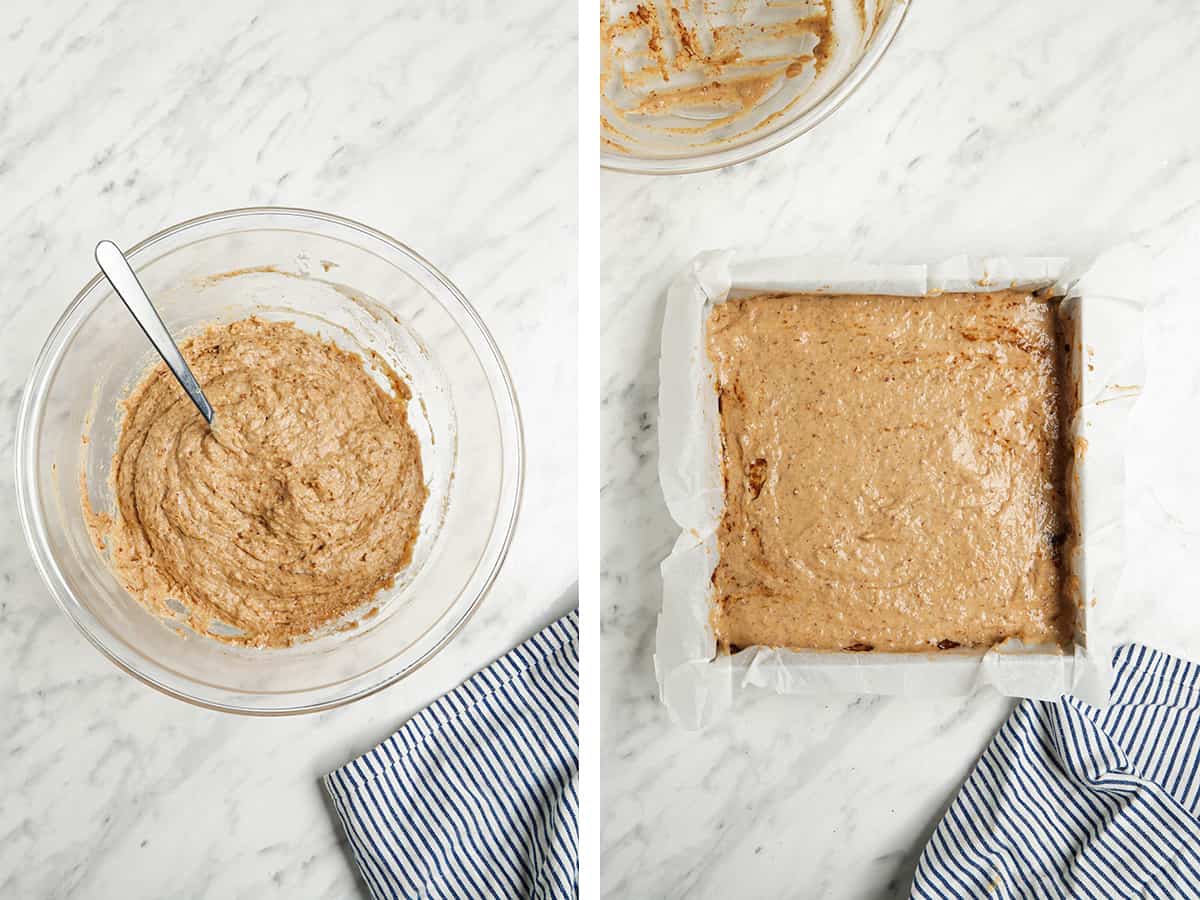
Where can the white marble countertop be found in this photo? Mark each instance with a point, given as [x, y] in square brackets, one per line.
[991, 129]
[449, 125]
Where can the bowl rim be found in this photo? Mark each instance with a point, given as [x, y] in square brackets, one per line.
[720, 158]
[29, 512]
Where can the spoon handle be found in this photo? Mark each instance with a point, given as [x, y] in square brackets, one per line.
[123, 280]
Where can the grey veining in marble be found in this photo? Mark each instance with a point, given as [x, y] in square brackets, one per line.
[989, 128]
[449, 124]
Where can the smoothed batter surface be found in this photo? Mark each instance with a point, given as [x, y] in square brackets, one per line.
[894, 475]
[300, 503]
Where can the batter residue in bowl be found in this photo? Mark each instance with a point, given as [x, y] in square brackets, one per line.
[719, 69]
[300, 503]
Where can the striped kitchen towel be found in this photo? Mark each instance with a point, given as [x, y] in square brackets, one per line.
[476, 795]
[1072, 801]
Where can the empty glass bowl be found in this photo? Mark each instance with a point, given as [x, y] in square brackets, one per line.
[684, 88]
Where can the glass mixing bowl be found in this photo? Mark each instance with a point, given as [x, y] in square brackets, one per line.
[365, 291]
[691, 88]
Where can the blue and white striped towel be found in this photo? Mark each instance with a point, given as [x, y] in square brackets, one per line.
[1072, 801]
[476, 795]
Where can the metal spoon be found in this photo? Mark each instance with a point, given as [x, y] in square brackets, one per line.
[120, 275]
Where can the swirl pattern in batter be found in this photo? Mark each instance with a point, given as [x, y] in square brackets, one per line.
[298, 506]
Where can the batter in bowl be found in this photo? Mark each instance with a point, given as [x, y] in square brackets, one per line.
[300, 503]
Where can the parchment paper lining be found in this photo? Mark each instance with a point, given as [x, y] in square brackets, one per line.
[1106, 303]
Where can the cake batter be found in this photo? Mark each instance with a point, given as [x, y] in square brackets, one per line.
[299, 504]
[894, 474]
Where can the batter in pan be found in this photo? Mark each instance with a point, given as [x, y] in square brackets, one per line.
[894, 473]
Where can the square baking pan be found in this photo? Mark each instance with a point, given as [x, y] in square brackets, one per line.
[1100, 313]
